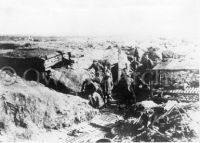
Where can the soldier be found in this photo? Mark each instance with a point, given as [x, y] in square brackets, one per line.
[136, 54]
[134, 64]
[88, 87]
[96, 66]
[125, 90]
[107, 85]
[93, 92]
[97, 82]
[96, 100]
[147, 62]
[97, 78]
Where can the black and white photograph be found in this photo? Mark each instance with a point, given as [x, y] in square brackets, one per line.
[99, 71]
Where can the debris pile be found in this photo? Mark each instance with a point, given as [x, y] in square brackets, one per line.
[171, 122]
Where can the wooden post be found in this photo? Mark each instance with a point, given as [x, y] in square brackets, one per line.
[119, 63]
[151, 93]
[160, 78]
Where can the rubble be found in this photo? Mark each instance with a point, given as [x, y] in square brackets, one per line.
[170, 122]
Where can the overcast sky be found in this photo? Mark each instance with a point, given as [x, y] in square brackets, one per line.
[139, 18]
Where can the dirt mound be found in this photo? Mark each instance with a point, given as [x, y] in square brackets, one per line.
[70, 78]
[26, 107]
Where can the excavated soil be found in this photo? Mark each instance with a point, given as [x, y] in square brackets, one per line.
[28, 107]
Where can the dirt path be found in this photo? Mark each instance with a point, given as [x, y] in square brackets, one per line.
[91, 131]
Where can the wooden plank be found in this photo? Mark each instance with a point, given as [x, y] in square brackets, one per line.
[119, 63]
[104, 120]
[88, 134]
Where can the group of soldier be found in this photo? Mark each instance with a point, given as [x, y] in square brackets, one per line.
[99, 87]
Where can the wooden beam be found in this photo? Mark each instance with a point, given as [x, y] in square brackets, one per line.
[119, 63]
